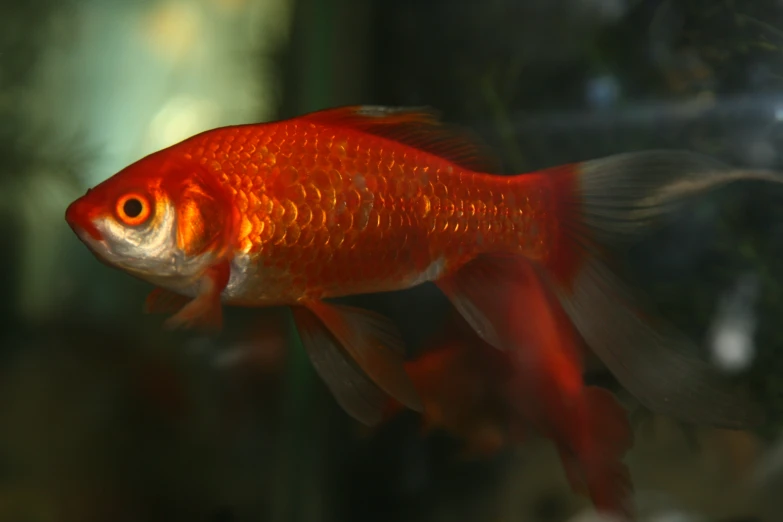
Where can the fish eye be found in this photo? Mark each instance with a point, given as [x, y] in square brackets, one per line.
[133, 209]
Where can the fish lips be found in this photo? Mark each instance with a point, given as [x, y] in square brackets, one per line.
[80, 216]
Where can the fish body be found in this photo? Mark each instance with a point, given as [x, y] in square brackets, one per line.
[309, 210]
[327, 213]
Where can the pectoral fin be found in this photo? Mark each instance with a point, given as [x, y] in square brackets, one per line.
[161, 301]
[205, 311]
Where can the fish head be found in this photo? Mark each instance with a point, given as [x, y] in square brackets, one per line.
[160, 220]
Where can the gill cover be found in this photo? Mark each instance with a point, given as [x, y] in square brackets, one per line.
[203, 209]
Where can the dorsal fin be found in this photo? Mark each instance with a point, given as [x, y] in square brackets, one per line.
[418, 127]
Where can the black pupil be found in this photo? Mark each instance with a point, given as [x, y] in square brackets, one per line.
[132, 208]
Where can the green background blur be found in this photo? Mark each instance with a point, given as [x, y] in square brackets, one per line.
[104, 416]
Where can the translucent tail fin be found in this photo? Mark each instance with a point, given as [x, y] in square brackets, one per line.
[603, 205]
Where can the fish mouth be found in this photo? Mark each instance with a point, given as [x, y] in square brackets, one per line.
[80, 217]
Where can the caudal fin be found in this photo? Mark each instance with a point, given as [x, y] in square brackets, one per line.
[603, 206]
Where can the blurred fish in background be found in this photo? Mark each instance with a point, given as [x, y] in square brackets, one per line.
[462, 382]
[106, 417]
[477, 394]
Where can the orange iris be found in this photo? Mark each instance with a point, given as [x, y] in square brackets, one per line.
[133, 209]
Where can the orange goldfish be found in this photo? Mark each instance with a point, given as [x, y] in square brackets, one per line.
[370, 199]
[490, 399]
[463, 385]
